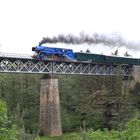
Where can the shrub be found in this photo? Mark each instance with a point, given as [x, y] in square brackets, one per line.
[7, 130]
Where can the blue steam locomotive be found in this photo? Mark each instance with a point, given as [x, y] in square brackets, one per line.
[48, 53]
[61, 54]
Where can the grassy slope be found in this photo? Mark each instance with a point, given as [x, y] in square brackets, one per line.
[68, 136]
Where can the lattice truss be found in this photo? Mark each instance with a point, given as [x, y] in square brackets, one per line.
[50, 67]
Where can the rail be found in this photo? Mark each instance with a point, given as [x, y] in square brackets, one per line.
[15, 55]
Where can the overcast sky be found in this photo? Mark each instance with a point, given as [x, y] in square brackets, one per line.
[23, 23]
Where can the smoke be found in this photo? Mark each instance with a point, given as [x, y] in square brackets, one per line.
[112, 40]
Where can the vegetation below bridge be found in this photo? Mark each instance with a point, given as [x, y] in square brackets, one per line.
[97, 101]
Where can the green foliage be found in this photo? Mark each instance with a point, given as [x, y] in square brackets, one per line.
[93, 96]
[131, 132]
[68, 121]
[23, 135]
[7, 131]
[21, 93]
[70, 136]
[103, 135]
[3, 113]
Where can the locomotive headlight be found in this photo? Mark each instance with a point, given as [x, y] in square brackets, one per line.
[33, 48]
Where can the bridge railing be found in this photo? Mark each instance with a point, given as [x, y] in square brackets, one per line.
[15, 55]
[23, 63]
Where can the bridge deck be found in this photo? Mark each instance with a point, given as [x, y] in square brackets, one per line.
[25, 64]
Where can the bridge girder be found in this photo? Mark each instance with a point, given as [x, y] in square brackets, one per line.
[24, 65]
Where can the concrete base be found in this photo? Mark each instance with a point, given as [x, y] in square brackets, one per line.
[50, 117]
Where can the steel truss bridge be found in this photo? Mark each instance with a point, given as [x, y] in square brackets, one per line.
[25, 64]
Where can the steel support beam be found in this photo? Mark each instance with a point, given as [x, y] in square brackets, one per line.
[24, 65]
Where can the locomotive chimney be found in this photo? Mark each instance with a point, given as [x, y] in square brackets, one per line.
[33, 48]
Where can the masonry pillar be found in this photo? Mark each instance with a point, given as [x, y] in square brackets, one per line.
[50, 117]
[129, 83]
[136, 73]
[126, 85]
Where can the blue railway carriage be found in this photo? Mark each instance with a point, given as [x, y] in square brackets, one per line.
[49, 53]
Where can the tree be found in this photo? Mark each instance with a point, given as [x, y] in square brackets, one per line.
[7, 130]
[87, 51]
[115, 53]
[127, 54]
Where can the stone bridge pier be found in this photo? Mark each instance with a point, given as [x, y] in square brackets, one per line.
[128, 83]
[136, 73]
[50, 116]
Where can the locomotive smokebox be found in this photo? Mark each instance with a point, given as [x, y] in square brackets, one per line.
[33, 48]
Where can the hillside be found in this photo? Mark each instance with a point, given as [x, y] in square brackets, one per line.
[98, 100]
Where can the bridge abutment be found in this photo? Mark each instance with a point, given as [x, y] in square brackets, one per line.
[50, 116]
